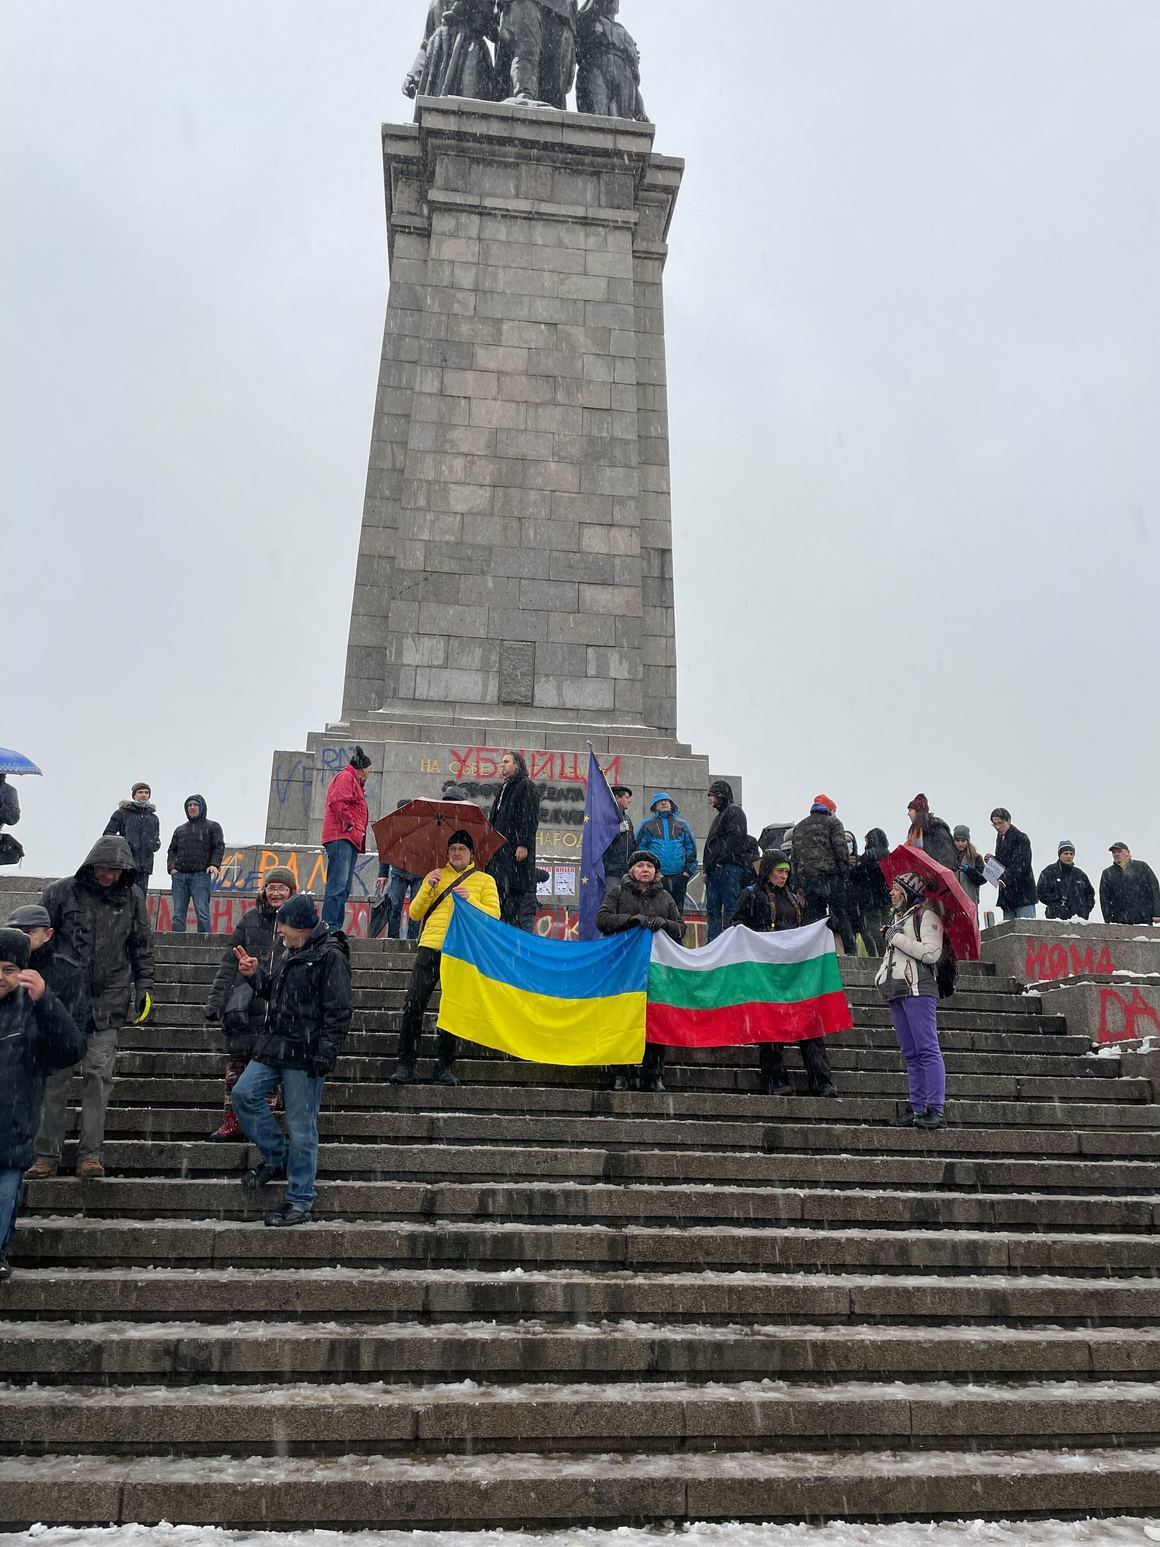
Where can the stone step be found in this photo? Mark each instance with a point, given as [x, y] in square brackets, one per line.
[923, 1167]
[373, 1420]
[538, 1490]
[1019, 1125]
[95, 1241]
[294, 1351]
[390, 1000]
[535, 1202]
[360, 1082]
[151, 1049]
[437, 1298]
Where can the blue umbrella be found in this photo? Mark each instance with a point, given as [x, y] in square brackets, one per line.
[16, 763]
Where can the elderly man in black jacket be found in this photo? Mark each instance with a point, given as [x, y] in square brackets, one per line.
[1064, 889]
[1129, 890]
[99, 920]
[37, 1035]
[307, 1022]
[515, 813]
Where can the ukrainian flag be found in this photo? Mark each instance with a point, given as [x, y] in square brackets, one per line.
[546, 1001]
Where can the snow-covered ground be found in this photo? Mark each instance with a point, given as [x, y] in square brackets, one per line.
[974, 1533]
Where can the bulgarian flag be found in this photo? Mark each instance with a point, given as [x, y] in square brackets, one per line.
[745, 987]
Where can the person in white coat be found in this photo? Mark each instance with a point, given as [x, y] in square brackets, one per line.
[914, 944]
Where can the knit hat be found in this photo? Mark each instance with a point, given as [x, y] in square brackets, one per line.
[30, 916]
[919, 803]
[359, 759]
[14, 947]
[643, 854]
[299, 912]
[141, 784]
[1065, 843]
[912, 884]
[464, 837]
[824, 803]
[963, 831]
[281, 873]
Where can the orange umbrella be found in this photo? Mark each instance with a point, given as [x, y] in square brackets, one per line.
[414, 838]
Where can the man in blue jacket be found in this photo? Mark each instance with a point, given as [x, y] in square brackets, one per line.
[37, 1037]
[667, 835]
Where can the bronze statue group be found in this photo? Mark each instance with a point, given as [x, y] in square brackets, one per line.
[528, 53]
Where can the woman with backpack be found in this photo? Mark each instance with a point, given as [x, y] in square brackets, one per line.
[908, 978]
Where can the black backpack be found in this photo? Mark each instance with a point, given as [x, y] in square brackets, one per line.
[946, 970]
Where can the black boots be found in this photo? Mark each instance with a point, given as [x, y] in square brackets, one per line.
[261, 1176]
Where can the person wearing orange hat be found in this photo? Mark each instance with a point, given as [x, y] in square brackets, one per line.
[821, 867]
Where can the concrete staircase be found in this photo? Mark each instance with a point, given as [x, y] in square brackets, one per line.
[531, 1301]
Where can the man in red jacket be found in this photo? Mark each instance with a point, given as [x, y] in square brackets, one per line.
[344, 834]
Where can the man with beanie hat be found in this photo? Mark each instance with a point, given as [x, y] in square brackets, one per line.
[344, 834]
[99, 920]
[37, 1036]
[821, 868]
[1063, 887]
[308, 998]
[135, 820]
[432, 907]
[232, 1003]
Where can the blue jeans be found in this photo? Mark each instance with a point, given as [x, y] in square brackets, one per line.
[722, 889]
[296, 1150]
[390, 910]
[189, 888]
[10, 1184]
[340, 861]
[1026, 912]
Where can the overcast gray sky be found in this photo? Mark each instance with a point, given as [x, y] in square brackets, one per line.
[913, 335]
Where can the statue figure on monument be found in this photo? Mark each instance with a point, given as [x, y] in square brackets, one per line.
[537, 50]
[608, 81]
[455, 60]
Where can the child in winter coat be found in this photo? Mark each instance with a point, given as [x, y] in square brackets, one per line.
[907, 978]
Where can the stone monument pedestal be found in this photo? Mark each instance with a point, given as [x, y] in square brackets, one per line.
[514, 581]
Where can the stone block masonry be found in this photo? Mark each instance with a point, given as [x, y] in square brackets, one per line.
[518, 482]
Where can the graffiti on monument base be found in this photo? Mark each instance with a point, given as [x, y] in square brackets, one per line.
[227, 909]
[1048, 963]
[1125, 1020]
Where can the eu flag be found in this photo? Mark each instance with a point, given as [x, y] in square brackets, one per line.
[602, 819]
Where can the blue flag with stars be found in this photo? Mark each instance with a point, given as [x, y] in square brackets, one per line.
[602, 819]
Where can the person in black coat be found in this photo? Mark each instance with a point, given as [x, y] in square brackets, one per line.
[232, 1003]
[1064, 889]
[821, 869]
[641, 901]
[64, 976]
[931, 834]
[869, 891]
[136, 821]
[621, 849]
[769, 905]
[37, 1036]
[515, 813]
[100, 922]
[729, 851]
[1129, 891]
[1017, 894]
[308, 1018]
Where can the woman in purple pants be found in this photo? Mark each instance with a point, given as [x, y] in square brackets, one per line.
[913, 949]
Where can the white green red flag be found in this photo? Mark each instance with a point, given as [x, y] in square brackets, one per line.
[780, 987]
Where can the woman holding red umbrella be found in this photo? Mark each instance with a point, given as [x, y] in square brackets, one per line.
[914, 946]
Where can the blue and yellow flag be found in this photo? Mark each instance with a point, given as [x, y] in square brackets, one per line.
[546, 1001]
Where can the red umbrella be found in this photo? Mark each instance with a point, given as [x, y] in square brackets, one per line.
[414, 838]
[959, 913]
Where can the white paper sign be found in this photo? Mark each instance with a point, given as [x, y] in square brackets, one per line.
[994, 872]
[565, 881]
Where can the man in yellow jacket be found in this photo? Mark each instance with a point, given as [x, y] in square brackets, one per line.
[432, 907]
